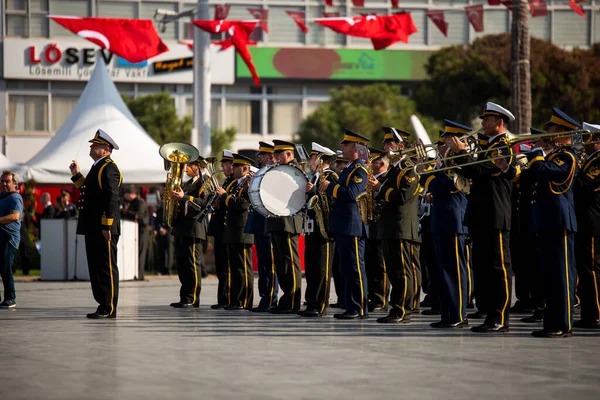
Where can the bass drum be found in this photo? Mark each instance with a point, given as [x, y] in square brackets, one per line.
[278, 190]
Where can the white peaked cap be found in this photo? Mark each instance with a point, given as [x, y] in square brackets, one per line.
[102, 137]
[493, 108]
[322, 149]
[594, 128]
[227, 153]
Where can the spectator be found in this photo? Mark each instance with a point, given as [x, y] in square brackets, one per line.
[49, 210]
[64, 208]
[165, 242]
[136, 209]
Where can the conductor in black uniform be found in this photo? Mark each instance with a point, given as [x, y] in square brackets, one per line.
[99, 222]
[284, 236]
[189, 233]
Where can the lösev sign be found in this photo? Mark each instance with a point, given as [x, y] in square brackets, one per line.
[74, 60]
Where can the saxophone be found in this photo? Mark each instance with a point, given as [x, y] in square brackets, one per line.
[175, 156]
[209, 187]
[320, 202]
[366, 200]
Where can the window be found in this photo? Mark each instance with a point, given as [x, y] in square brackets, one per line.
[243, 115]
[241, 12]
[494, 21]
[318, 34]
[27, 113]
[61, 108]
[282, 27]
[539, 27]
[68, 86]
[67, 7]
[312, 106]
[285, 89]
[117, 9]
[284, 116]
[458, 27]
[155, 88]
[215, 112]
[27, 18]
[570, 29]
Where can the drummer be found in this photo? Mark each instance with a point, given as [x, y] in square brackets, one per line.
[284, 233]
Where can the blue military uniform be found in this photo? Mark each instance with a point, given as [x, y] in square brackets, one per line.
[447, 215]
[350, 233]
[268, 286]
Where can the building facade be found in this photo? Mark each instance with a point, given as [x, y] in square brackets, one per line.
[38, 89]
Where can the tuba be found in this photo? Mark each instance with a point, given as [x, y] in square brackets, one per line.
[176, 155]
[320, 202]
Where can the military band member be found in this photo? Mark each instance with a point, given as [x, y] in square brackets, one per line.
[284, 233]
[319, 247]
[377, 281]
[447, 216]
[587, 240]
[267, 279]
[338, 166]
[554, 221]
[239, 243]
[488, 218]
[99, 221]
[188, 233]
[216, 229]
[347, 227]
[399, 229]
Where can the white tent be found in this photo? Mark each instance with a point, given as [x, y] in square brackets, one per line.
[6, 164]
[100, 106]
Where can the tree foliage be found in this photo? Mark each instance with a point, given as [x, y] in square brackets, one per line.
[156, 113]
[364, 110]
[463, 79]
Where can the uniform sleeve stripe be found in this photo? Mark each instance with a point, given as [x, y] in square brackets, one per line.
[428, 181]
[387, 194]
[335, 190]
[534, 160]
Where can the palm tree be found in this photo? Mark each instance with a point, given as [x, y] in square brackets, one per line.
[520, 68]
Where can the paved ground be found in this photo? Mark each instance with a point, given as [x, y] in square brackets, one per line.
[50, 351]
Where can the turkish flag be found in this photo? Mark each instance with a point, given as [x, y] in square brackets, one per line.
[298, 17]
[328, 2]
[330, 14]
[225, 43]
[538, 8]
[221, 11]
[239, 33]
[358, 3]
[494, 2]
[262, 16]
[135, 40]
[576, 8]
[438, 18]
[475, 16]
[507, 4]
[383, 30]
[395, 3]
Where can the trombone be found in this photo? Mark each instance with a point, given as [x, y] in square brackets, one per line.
[508, 142]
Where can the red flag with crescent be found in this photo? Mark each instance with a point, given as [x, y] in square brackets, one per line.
[494, 2]
[358, 3]
[475, 16]
[299, 19]
[135, 40]
[239, 33]
[538, 8]
[328, 2]
[395, 3]
[577, 8]
[438, 18]
[262, 16]
[221, 11]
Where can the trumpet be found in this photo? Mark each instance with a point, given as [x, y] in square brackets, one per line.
[508, 144]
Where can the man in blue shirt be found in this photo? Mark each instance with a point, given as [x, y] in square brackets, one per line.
[11, 208]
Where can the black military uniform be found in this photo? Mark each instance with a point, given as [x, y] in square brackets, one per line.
[587, 240]
[216, 229]
[268, 286]
[239, 243]
[399, 232]
[99, 211]
[138, 211]
[488, 218]
[189, 232]
[284, 233]
[377, 280]
[338, 283]
[318, 250]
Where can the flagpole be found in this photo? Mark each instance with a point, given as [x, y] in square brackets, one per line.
[202, 101]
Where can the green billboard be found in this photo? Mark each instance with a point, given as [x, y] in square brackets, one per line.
[342, 64]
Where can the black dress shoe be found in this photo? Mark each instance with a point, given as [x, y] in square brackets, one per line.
[393, 318]
[377, 308]
[433, 311]
[477, 315]
[310, 312]
[471, 306]
[217, 306]
[276, 310]
[232, 307]
[447, 325]
[426, 303]
[521, 307]
[490, 328]
[260, 309]
[538, 316]
[98, 315]
[179, 304]
[551, 334]
[350, 316]
[196, 305]
[583, 324]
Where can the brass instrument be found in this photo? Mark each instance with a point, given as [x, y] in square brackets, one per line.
[366, 199]
[320, 202]
[176, 155]
[209, 186]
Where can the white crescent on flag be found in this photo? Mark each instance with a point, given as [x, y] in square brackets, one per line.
[94, 35]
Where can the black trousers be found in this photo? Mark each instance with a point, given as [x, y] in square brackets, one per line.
[338, 283]
[587, 255]
[104, 274]
[557, 259]
[318, 262]
[287, 266]
[397, 253]
[415, 259]
[166, 253]
[430, 278]
[351, 250]
[241, 275]
[268, 287]
[143, 248]
[526, 268]
[222, 270]
[470, 278]
[377, 281]
[452, 276]
[188, 253]
[493, 274]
